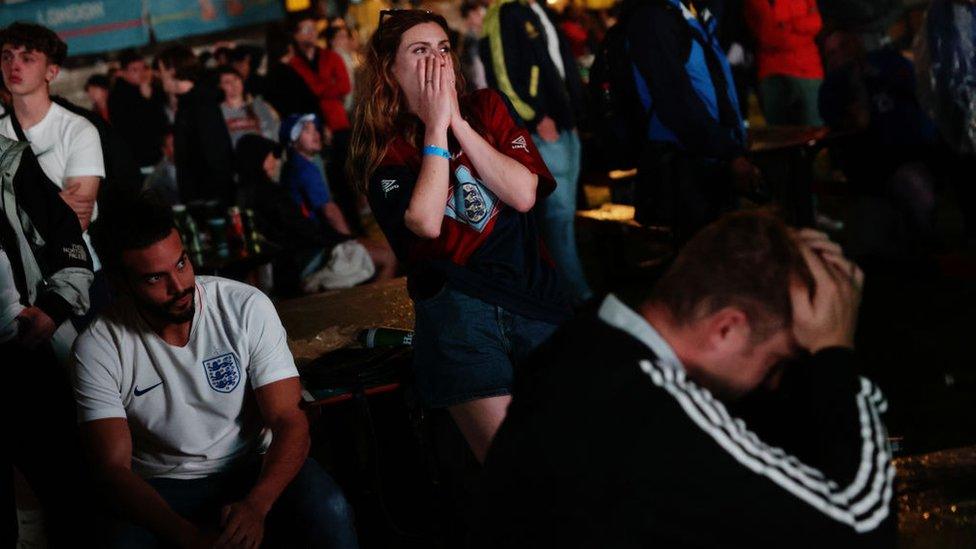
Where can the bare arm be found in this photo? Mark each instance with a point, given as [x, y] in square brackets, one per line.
[512, 182]
[110, 445]
[332, 214]
[80, 194]
[243, 521]
[425, 214]
[278, 402]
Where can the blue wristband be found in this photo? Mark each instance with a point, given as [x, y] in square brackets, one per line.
[434, 150]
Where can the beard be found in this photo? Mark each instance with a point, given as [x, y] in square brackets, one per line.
[167, 311]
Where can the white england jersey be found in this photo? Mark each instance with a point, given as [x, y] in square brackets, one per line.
[189, 408]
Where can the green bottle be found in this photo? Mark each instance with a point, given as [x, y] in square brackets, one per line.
[191, 237]
[373, 338]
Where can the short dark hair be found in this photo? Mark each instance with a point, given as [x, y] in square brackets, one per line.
[227, 69]
[238, 54]
[181, 59]
[746, 260]
[130, 221]
[34, 37]
[295, 19]
[97, 81]
[128, 57]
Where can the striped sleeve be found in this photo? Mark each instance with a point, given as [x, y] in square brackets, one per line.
[862, 502]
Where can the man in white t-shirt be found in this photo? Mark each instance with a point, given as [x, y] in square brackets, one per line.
[188, 399]
[66, 145]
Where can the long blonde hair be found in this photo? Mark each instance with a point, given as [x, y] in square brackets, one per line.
[381, 107]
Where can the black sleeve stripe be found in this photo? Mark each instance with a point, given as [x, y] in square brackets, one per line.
[872, 485]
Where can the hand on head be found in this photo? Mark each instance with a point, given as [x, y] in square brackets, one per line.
[827, 317]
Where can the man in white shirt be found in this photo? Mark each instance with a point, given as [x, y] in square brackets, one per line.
[66, 145]
[188, 400]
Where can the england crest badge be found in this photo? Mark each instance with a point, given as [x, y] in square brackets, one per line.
[223, 373]
[471, 202]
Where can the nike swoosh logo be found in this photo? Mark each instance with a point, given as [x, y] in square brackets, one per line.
[146, 390]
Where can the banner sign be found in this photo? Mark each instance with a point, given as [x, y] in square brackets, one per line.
[88, 26]
[172, 19]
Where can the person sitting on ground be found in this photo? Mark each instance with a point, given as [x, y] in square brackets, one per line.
[678, 423]
[244, 114]
[325, 75]
[188, 399]
[323, 257]
[304, 178]
[96, 88]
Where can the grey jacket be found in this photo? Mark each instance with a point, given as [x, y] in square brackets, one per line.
[42, 237]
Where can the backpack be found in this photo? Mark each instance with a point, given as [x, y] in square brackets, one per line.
[618, 116]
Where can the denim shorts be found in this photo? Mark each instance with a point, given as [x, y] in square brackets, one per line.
[466, 349]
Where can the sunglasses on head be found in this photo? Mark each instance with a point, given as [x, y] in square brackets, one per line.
[385, 14]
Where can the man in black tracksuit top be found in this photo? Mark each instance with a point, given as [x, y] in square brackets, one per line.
[645, 427]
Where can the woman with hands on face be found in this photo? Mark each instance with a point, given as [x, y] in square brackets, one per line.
[453, 180]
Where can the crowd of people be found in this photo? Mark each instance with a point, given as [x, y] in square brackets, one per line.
[170, 411]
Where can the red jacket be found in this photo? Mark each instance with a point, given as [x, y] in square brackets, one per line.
[785, 32]
[329, 81]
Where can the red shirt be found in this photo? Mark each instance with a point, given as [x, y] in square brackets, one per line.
[785, 31]
[485, 249]
[329, 81]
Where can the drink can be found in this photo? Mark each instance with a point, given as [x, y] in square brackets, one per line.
[235, 227]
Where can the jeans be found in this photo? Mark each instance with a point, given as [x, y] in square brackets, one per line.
[311, 512]
[559, 210]
[789, 101]
[465, 349]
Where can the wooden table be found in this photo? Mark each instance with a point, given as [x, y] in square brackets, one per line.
[786, 155]
[778, 138]
[345, 311]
